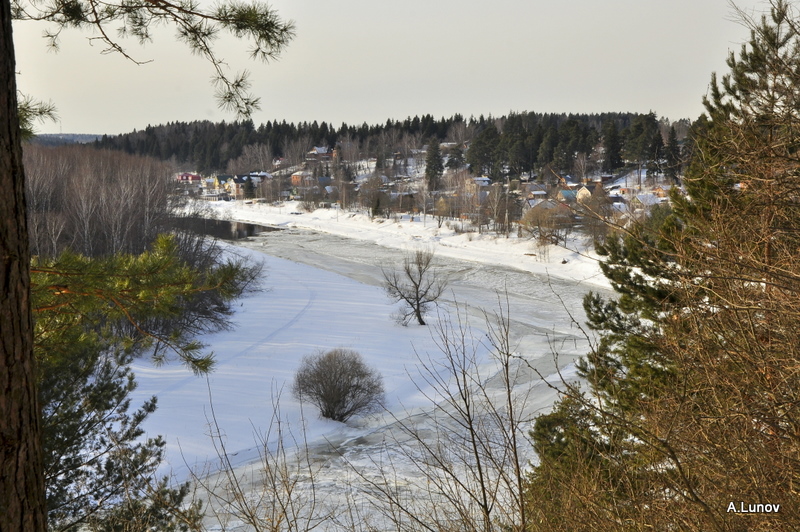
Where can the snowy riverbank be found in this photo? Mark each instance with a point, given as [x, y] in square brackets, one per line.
[576, 261]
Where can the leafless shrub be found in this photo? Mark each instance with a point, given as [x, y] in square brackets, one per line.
[459, 465]
[548, 222]
[339, 384]
[308, 206]
[276, 493]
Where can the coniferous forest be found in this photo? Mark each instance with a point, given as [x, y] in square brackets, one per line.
[515, 143]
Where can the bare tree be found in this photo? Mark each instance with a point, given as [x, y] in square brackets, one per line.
[339, 384]
[295, 151]
[372, 197]
[460, 133]
[417, 286]
[549, 222]
[254, 157]
[469, 450]
[276, 493]
[496, 203]
[582, 165]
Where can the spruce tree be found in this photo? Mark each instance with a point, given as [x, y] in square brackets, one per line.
[433, 164]
[612, 159]
[672, 154]
[482, 153]
[250, 188]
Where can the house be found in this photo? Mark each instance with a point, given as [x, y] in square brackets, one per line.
[533, 190]
[662, 191]
[256, 177]
[539, 195]
[221, 183]
[551, 210]
[567, 196]
[583, 195]
[236, 186]
[616, 198]
[533, 201]
[647, 200]
[319, 154]
[619, 207]
[209, 191]
[188, 178]
[230, 185]
[303, 178]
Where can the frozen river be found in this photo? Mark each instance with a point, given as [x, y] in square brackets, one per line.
[545, 311]
[324, 291]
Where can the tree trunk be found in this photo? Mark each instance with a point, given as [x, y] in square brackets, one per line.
[22, 504]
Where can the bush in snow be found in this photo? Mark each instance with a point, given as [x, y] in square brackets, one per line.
[339, 384]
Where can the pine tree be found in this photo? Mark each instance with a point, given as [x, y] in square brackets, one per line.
[691, 398]
[22, 505]
[95, 461]
[641, 145]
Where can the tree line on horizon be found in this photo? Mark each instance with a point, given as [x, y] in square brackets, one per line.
[513, 144]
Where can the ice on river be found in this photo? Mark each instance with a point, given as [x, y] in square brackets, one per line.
[322, 290]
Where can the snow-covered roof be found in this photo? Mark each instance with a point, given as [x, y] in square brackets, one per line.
[648, 200]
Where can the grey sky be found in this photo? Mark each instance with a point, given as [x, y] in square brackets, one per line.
[368, 60]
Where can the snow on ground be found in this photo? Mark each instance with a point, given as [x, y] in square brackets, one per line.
[575, 261]
[304, 309]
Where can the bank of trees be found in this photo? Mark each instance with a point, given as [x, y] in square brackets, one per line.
[513, 145]
[690, 411]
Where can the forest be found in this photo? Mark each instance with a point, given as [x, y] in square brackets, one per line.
[513, 144]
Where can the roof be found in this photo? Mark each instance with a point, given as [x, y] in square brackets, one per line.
[648, 199]
[568, 195]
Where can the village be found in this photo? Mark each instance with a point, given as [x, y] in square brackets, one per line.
[547, 206]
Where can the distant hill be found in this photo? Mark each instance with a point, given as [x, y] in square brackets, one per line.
[64, 138]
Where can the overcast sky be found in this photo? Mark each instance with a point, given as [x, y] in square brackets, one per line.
[360, 61]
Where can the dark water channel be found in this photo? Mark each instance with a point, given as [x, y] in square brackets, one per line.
[223, 229]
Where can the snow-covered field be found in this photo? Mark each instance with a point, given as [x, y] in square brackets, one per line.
[329, 296]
